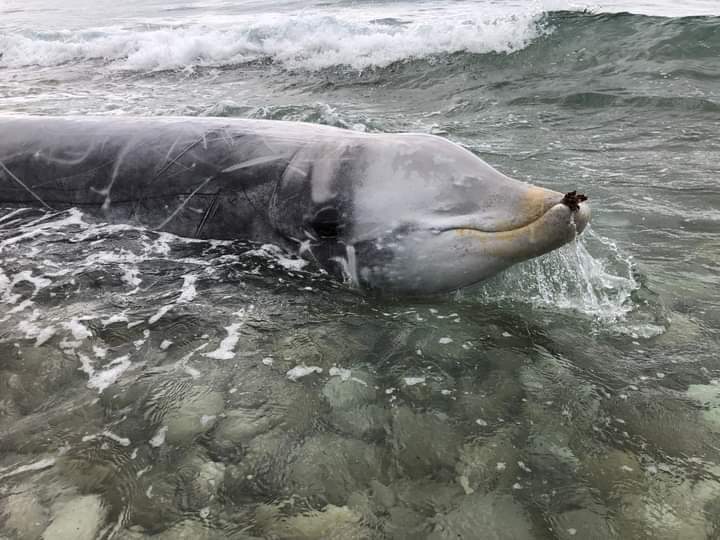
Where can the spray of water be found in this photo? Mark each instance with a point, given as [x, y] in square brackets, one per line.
[590, 275]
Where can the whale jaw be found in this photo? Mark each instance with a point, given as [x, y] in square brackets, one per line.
[425, 262]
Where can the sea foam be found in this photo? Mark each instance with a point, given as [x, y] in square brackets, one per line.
[301, 41]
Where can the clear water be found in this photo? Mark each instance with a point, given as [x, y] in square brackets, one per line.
[155, 386]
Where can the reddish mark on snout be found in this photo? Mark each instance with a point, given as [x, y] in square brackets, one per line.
[573, 199]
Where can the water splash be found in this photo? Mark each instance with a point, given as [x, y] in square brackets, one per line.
[600, 286]
[590, 275]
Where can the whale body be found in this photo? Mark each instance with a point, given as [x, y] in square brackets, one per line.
[403, 213]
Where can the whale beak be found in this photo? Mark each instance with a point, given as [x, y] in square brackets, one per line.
[547, 220]
[576, 202]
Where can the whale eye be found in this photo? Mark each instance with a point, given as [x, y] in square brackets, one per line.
[326, 223]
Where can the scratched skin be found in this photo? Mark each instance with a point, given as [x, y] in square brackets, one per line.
[404, 213]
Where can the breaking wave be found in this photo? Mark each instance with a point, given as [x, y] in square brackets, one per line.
[448, 40]
[302, 41]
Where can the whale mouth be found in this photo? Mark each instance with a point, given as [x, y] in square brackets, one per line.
[577, 218]
[467, 255]
[519, 213]
[558, 225]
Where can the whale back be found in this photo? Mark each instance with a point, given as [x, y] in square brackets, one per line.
[192, 177]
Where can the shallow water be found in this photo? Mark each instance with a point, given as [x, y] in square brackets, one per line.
[153, 385]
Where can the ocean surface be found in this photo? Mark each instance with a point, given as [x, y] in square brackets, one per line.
[154, 386]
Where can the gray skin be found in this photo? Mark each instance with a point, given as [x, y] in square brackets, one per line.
[405, 213]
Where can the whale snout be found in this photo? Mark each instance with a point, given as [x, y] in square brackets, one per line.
[557, 217]
[581, 216]
[449, 220]
[573, 199]
[562, 221]
[579, 208]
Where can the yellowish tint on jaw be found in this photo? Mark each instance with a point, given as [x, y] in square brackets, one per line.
[534, 203]
[537, 202]
[516, 243]
[504, 236]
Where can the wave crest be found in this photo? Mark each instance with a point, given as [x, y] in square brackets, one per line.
[312, 42]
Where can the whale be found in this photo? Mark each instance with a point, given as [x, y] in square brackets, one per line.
[398, 213]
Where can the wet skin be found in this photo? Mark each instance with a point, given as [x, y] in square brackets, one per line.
[402, 213]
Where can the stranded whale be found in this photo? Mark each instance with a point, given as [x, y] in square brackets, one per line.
[406, 213]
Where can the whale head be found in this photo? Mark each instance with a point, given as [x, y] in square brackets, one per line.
[418, 214]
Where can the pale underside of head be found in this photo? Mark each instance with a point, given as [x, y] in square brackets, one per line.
[417, 214]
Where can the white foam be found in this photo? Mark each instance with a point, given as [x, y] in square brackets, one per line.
[79, 331]
[278, 255]
[36, 466]
[194, 373]
[161, 246]
[159, 438]
[131, 276]
[160, 313]
[188, 292]
[226, 349]
[412, 381]
[28, 326]
[305, 40]
[6, 285]
[100, 380]
[44, 335]
[182, 364]
[120, 257]
[345, 375]
[298, 372]
[45, 224]
[22, 306]
[69, 345]
[118, 317]
[122, 441]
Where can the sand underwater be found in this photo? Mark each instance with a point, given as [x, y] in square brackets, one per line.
[153, 386]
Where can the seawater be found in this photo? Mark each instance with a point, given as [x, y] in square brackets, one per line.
[155, 386]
